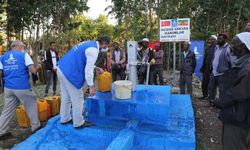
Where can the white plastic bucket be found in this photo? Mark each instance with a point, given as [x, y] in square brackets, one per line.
[123, 89]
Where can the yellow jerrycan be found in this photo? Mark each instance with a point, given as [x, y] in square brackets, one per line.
[42, 110]
[54, 102]
[104, 82]
[22, 117]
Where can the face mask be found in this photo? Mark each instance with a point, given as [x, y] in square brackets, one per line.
[104, 49]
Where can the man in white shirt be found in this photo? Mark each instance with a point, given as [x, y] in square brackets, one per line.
[74, 68]
[50, 60]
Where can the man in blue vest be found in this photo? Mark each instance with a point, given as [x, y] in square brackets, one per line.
[15, 66]
[74, 68]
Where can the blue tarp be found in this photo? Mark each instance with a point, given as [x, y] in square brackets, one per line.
[140, 123]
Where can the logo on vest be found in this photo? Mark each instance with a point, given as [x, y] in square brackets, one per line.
[11, 63]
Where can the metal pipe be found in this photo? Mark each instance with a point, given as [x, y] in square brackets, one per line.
[133, 75]
[148, 69]
[174, 63]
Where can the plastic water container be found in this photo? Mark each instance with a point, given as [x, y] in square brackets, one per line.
[22, 117]
[48, 111]
[59, 100]
[42, 110]
[54, 102]
[104, 82]
[123, 89]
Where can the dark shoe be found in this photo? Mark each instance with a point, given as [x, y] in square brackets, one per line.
[5, 136]
[70, 121]
[86, 124]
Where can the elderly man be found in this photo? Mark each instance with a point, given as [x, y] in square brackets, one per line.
[235, 103]
[15, 66]
[207, 64]
[188, 64]
[74, 68]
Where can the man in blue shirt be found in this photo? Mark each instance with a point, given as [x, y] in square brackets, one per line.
[74, 68]
[15, 66]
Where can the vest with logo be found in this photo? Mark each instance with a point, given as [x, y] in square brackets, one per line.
[15, 72]
[73, 63]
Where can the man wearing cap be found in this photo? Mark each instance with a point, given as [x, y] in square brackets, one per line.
[15, 66]
[222, 62]
[118, 59]
[235, 103]
[207, 64]
[144, 56]
[187, 67]
[74, 68]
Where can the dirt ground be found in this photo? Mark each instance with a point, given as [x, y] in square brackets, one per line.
[208, 127]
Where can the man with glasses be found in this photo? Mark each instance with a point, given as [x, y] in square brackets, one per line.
[15, 66]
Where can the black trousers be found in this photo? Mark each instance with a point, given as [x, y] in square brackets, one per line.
[235, 138]
[205, 80]
[156, 71]
[186, 84]
[214, 83]
[118, 74]
[50, 75]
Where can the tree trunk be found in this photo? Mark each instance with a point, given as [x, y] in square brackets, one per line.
[238, 20]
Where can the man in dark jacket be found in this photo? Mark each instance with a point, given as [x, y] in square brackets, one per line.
[50, 61]
[188, 64]
[235, 102]
[206, 68]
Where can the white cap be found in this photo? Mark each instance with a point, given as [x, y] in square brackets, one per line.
[145, 40]
[214, 37]
[245, 38]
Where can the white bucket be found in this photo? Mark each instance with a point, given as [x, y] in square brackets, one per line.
[123, 89]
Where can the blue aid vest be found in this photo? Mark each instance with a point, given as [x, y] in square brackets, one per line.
[73, 63]
[15, 72]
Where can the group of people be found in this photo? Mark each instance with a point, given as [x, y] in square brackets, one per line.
[225, 66]
[114, 60]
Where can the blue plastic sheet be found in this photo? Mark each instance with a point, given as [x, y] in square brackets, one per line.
[152, 119]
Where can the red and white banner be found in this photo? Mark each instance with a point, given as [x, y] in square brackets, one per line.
[175, 30]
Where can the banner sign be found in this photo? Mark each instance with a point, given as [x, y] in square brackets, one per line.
[175, 30]
[198, 46]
